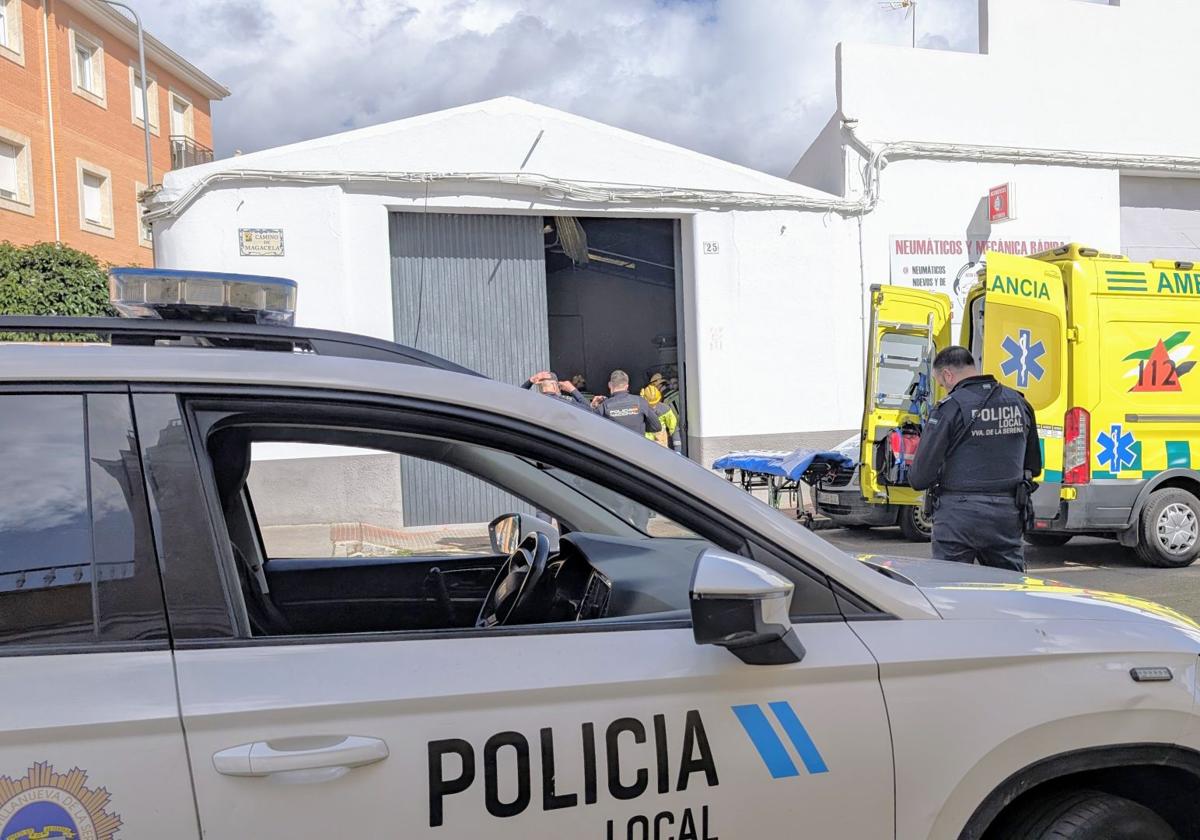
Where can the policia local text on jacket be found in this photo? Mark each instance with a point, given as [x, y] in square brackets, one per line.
[976, 449]
[631, 411]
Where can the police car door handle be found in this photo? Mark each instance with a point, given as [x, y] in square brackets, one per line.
[265, 758]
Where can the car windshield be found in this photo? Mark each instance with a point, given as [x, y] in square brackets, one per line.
[639, 516]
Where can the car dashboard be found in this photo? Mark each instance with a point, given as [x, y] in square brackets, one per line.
[595, 577]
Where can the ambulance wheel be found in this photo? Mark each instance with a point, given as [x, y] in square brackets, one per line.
[1088, 815]
[1041, 540]
[914, 525]
[1170, 529]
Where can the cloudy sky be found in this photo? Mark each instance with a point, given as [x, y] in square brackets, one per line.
[747, 80]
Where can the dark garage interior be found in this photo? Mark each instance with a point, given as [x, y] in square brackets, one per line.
[611, 293]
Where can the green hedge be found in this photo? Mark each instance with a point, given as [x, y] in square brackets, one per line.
[50, 279]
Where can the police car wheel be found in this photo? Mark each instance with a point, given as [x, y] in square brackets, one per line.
[1170, 529]
[1047, 540]
[1088, 815]
[914, 525]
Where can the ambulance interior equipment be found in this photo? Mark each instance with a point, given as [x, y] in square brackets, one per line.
[900, 392]
[901, 382]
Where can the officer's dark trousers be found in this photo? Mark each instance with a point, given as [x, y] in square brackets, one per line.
[967, 528]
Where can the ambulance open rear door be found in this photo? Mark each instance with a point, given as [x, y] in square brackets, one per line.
[1024, 326]
[908, 328]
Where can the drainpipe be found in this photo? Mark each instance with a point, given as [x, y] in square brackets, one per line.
[50, 117]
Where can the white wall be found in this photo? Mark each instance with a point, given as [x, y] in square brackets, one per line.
[1160, 218]
[935, 198]
[777, 334]
[335, 247]
[1058, 74]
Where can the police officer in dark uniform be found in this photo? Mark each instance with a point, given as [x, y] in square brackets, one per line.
[978, 454]
[547, 382]
[626, 409]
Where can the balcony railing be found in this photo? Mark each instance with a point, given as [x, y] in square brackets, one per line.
[187, 152]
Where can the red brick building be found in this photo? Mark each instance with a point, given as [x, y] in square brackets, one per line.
[72, 147]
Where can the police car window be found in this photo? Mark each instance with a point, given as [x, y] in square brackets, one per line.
[646, 520]
[76, 560]
[900, 359]
[337, 530]
[320, 500]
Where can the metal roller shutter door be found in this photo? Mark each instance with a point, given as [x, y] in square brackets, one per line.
[472, 289]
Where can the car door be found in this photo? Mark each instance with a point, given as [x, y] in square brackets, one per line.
[908, 328]
[90, 737]
[619, 727]
[1025, 347]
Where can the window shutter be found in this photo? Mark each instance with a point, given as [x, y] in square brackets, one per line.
[93, 186]
[9, 156]
[138, 114]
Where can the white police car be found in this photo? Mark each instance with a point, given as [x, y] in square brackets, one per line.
[670, 660]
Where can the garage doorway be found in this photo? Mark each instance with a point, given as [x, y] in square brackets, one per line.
[613, 303]
[510, 295]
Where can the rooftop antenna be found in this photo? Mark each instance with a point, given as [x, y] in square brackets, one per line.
[910, 10]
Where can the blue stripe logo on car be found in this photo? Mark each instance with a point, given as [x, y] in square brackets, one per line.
[770, 746]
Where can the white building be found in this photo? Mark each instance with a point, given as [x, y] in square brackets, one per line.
[413, 229]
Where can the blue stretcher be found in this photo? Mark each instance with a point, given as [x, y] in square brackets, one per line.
[780, 472]
[790, 465]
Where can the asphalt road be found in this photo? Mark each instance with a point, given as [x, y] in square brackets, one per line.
[1084, 562]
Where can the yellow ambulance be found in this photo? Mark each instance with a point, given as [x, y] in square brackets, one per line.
[1103, 348]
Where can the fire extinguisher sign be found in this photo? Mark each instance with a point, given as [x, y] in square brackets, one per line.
[1000, 208]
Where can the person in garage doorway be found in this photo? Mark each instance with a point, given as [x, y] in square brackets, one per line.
[977, 459]
[629, 410]
[669, 436]
[546, 382]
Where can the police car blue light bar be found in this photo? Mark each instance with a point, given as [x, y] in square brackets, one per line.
[179, 294]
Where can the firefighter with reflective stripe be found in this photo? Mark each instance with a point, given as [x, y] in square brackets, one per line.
[978, 455]
[669, 435]
[629, 410]
[546, 382]
[669, 388]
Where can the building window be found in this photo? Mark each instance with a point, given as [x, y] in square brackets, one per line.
[135, 98]
[87, 67]
[145, 236]
[16, 179]
[95, 198]
[11, 46]
[182, 119]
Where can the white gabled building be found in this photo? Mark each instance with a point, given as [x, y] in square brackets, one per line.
[442, 231]
[453, 231]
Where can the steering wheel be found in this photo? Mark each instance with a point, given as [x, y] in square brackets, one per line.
[515, 582]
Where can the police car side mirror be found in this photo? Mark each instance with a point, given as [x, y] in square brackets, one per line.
[740, 605]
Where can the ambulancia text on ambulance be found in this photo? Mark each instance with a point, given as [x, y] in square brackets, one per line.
[1103, 348]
